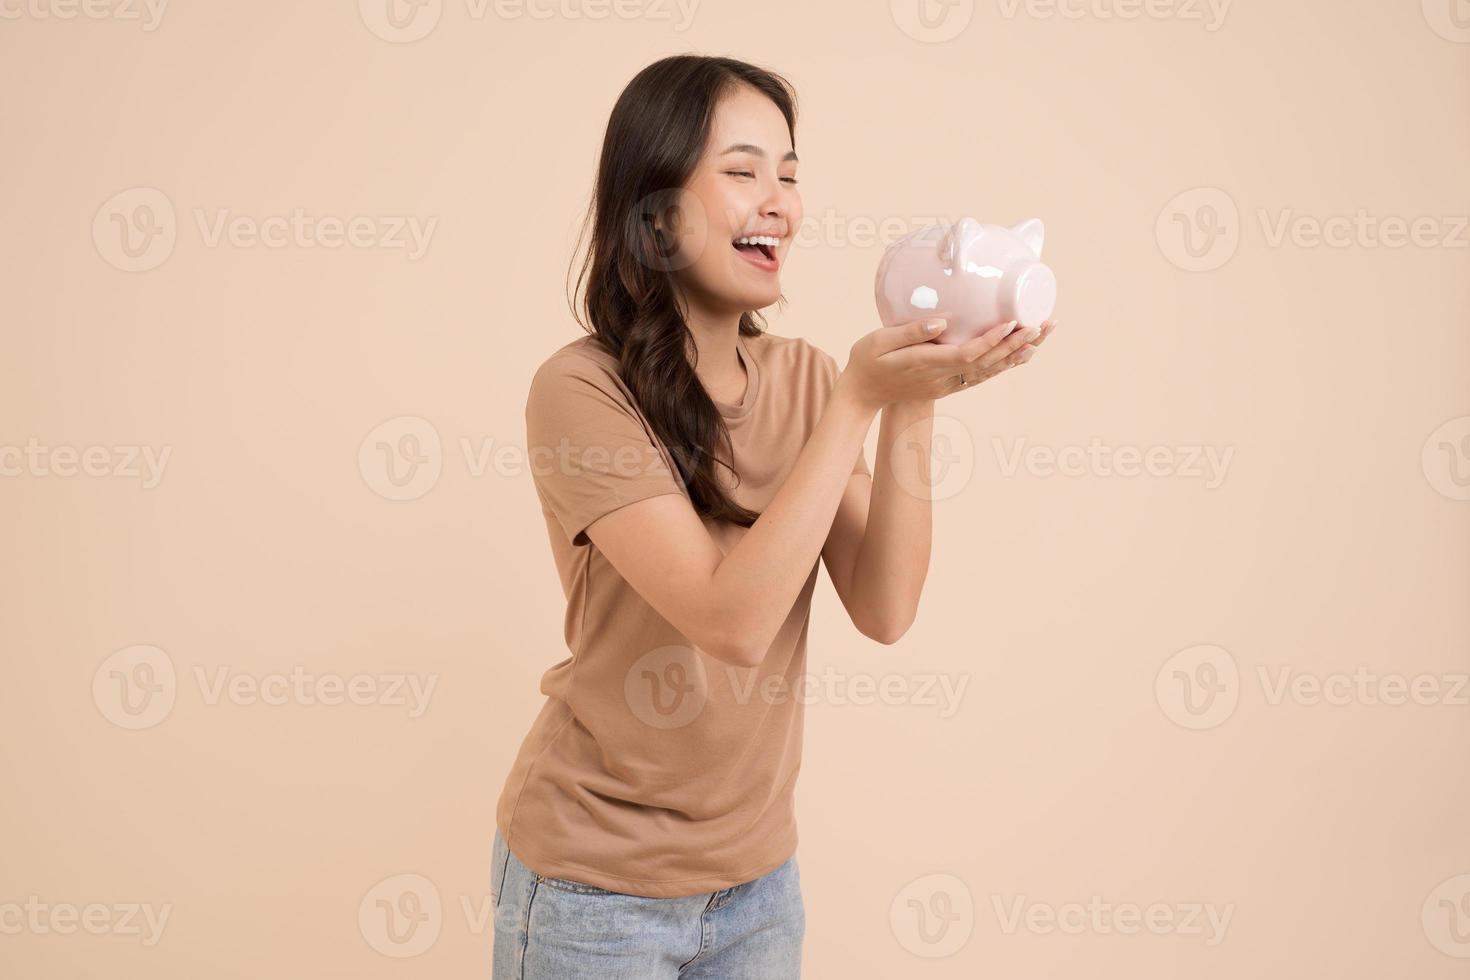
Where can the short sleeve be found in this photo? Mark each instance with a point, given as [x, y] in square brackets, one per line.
[589, 450]
[830, 372]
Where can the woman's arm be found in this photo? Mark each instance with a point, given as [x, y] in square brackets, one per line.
[732, 605]
[878, 552]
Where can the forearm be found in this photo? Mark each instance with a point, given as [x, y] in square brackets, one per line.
[893, 559]
[761, 577]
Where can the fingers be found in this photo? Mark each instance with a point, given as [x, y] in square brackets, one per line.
[975, 375]
[1018, 348]
[1046, 329]
[997, 353]
[906, 334]
[967, 352]
[998, 349]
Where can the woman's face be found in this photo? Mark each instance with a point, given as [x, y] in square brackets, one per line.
[744, 186]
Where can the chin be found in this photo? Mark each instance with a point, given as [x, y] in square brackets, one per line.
[760, 299]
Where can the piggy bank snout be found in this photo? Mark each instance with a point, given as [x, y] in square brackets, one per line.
[1028, 294]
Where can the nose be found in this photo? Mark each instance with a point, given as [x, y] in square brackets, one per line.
[776, 204]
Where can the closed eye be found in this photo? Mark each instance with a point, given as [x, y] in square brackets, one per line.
[747, 173]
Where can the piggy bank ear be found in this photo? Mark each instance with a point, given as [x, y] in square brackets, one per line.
[952, 245]
[1032, 233]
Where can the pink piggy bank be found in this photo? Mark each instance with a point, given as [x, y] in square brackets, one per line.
[975, 276]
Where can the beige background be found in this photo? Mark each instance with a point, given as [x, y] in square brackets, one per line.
[153, 758]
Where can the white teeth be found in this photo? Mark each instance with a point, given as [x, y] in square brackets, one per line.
[759, 240]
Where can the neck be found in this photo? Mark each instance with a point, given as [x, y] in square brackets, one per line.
[718, 366]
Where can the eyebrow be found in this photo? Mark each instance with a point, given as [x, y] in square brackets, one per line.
[750, 148]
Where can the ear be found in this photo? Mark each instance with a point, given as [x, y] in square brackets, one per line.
[1031, 232]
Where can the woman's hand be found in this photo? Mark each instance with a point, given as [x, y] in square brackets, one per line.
[901, 363]
[996, 360]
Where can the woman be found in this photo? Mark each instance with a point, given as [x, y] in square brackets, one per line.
[691, 470]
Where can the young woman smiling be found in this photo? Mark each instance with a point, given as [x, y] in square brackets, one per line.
[692, 469]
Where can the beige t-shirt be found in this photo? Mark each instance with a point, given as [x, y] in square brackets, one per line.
[653, 768]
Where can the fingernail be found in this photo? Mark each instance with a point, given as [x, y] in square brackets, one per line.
[933, 326]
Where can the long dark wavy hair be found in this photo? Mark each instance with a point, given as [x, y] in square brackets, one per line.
[655, 138]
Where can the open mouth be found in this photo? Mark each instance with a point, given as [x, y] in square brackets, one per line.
[759, 249]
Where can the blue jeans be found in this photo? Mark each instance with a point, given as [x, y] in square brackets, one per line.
[558, 929]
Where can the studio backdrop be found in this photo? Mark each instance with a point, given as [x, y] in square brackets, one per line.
[1186, 695]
